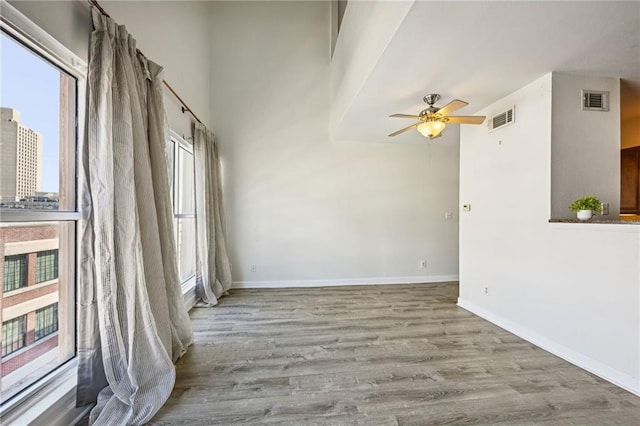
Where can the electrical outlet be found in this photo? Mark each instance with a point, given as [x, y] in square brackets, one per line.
[423, 264]
[605, 209]
[486, 290]
[253, 268]
[466, 207]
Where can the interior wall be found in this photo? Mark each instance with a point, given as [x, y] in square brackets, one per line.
[573, 289]
[367, 28]
[585, 145]
[174, 34]
[67, 21]
[302, 208]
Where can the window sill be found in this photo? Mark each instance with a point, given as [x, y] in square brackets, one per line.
[24, 349]
[25, 289]
[52, 400]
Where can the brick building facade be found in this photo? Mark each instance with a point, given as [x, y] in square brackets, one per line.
[29, 294]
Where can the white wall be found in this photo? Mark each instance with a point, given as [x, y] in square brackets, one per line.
[67, 21]
[174, 34]
[585, 145]
[573, 289]
[302, 208]
[367, 29]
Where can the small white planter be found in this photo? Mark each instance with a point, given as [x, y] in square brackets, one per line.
[585, 214]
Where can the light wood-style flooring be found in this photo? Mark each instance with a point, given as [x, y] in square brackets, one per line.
[375, 355]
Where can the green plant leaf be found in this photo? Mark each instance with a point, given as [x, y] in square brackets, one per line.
[588, 202]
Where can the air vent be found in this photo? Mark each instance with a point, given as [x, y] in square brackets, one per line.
[503, 119]
[593, 100]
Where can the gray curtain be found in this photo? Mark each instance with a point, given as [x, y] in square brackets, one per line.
[132, 320]
[213, 270]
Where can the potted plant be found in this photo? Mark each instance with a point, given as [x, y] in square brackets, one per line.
[585, 207]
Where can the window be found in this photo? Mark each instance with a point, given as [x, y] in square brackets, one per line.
[42, 86]
[15, 272]
[46, 321]
[184, 206]
[46, 266]
[14, 335]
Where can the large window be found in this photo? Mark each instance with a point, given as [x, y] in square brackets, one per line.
[15, 272]
[14, 334]
[184, 206]
[46, 321]
[42, 86]
[46, 265]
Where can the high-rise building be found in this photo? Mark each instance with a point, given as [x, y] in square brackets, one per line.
[21, 151]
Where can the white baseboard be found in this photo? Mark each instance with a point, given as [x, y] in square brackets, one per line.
[618, 378]
[190, 299]
[345, 282]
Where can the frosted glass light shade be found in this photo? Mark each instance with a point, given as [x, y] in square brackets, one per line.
[431, 129]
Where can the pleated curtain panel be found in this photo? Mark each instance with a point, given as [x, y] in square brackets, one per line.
[132, 320]
[213, 269]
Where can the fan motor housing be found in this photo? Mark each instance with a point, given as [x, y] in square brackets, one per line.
[427, 111]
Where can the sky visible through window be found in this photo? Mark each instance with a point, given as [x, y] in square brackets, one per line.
[31, 85]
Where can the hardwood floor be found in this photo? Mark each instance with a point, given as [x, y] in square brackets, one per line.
[375, 355]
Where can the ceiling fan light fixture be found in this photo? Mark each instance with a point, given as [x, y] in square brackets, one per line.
[431, 129]
[433, 120]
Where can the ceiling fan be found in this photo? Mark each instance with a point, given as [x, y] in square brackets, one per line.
[433, 120]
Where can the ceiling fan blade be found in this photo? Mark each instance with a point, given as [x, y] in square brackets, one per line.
[469, 119]
[405, 116]
[454, 105]
[406, 129]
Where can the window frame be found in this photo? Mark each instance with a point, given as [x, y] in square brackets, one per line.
[59, 384]
[177, 143]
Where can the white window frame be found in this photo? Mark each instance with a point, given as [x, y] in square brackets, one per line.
[51, 399]
[179, 142]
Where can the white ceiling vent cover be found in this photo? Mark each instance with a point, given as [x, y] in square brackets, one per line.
[594, 100]
[505, 118]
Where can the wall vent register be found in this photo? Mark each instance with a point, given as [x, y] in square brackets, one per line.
[594, 100]
[502, 119]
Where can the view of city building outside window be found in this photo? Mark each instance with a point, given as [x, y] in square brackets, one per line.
[37, 243]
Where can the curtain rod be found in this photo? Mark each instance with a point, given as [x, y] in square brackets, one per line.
[185, 107]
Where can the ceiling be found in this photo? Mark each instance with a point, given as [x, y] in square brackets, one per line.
[481, 51]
